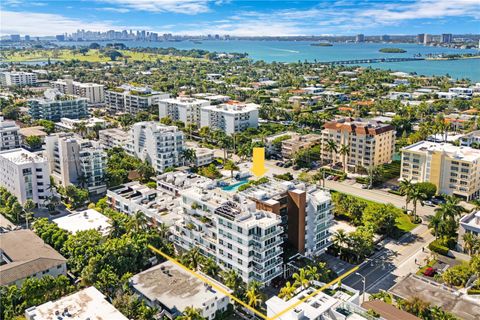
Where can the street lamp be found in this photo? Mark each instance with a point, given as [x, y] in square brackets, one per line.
[364, 280]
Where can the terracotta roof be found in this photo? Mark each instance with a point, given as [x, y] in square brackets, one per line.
[28, 255]
[388, 311]
[358, 126]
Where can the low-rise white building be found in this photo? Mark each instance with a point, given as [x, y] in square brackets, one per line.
[113, 137]
[172, 289]
[131, 99]
[56, 105]
[25, 255]
[93, 92]
[157, 144]
[91, 124]
[157, 205]
[203, 156]
[17, 78]
[183, 109]
[9, 135]
[89, 219]
[88, 303]
[230, 117]
[25, 175]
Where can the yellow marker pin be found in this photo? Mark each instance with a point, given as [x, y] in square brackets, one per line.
[258, 167]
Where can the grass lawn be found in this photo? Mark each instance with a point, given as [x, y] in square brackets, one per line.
[91, 56]
[403, 222]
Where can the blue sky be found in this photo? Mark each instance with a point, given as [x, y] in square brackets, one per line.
[245, 18]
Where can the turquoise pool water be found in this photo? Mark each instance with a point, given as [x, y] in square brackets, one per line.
[234, 187]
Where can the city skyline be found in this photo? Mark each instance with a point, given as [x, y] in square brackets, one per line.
[241, 18]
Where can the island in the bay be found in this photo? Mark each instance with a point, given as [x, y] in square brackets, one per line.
[392, 50]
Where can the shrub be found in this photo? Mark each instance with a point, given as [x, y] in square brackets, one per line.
[473, 291]
[437, 247]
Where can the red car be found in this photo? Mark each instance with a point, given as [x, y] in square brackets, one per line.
[429, 272]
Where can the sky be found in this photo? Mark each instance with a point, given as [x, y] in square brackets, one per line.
[241, 18]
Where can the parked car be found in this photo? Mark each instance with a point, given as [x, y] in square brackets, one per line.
[429, 272]
[336, 178]
[429, 203]
[278, 163]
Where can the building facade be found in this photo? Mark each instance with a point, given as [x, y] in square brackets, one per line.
[296, 143]
[158, 144]
[9, 135]
[305, 212]
[56, 106]
[93, 92]
[231, 231]
[76, 161]
[18, 78]
[130, 99]
[187, 110]
[230, 117]
[113, 137]
[370, 143]
[454, 170]
[25, 175]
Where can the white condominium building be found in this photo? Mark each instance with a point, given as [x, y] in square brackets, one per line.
[25, 175]
[9, 135]
[130, 99]
[113, 137]
[94, 92]
[370, 143]
[56, 106]
[230, 117]
[17, 78]
[454, 170]
[231, 231]
[76, 161]
[305, 212]
[157, 144]
[182, 109]
[91, 124]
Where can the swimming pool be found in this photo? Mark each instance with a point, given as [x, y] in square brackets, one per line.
[234, 187]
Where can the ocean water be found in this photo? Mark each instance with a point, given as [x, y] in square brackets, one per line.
[292, 51]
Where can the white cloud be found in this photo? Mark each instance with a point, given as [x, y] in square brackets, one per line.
[189, 7]
[116, 10]
[40, 24]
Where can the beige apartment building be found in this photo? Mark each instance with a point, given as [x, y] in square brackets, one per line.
[371, 143]
[454, 170]
[296, 143]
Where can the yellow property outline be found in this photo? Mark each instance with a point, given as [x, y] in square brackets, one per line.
[258, 313]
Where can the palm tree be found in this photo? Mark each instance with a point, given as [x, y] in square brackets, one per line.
[286, 293]
[140, 220]
[209, 267]
[82, 180]
[469, 241]
[301, 279]
[190, 313]
[332, 148]
[340, 239]
[436, 223]
[193, 258]
[406, 187]
[416, 195]
[188, 155]
[230, 165]
[451, 209]
[27, 209]
[232, 280]
[253, 295]
[312, 273]
[344, 151]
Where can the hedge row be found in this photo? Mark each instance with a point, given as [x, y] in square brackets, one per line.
[437, 247]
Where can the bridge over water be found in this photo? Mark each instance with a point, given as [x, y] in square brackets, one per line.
[371, 60]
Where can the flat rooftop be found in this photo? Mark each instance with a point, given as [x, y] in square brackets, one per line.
[88, 303]
[22, 156]
[312, 308]
[84, 220]
[184, 101]
[233, 107]
[460, 153]
[176, 288]
[449, 299]
[471, 221]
